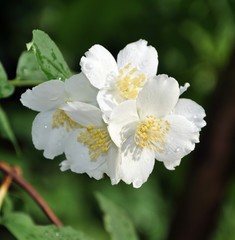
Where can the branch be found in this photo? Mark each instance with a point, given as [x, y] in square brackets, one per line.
[4, 188]
[10, 171]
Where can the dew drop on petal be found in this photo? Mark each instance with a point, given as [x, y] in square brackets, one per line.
[177, 150]
[137, 183]
[46, 126]
[88, 66]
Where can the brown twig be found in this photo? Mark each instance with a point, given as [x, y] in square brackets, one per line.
[10, 171]
[4, 188]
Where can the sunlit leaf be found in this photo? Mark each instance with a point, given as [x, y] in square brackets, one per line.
[23, 228]
[6, 88]
[6, 130]
[28, 68]
[48, 56]
[116, 221]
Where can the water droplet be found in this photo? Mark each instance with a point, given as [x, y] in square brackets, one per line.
[177, 150]
[88, 66]
[46, 126]
[195, 117]
[137, 183]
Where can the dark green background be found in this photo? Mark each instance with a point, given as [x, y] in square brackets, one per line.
[194, 40]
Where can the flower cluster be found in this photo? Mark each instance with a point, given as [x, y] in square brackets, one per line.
[115, 117]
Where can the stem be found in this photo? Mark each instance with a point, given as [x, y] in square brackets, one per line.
[25, 83]
[4, 188]
[31, 191]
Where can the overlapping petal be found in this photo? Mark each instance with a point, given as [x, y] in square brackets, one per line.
[108, 99]
[113, 162]
[180, 140]
[83, 113]
[47, 95]
[123, 121]
[158, 96]
[97, 64]
[46, 137]
[78, 158]
[136, 163]
[140, 56]
[79, 88]
[192, 111]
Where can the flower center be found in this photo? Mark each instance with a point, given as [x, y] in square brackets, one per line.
[151, 133]
[129, 82]
[61, 119]
[97, 140]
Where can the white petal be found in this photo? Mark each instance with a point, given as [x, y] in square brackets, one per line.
[79, 88]
[79, 160]
[45, 137]
[65, 165]
[83, 113]
[108, 100]
[170, 165]
[158, 96]
[113, 162]
[192, 111]
[122, 119]
[184, 88]
[180, 140]
[141, 56]
[97, 65]
[136, 164]
[45, 96]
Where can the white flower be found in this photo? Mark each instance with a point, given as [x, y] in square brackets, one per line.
[156, 125]
[121, 80]
[90, 149]
[51, 127]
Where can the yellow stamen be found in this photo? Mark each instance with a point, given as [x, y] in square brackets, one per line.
[151, 133]
[129, 82]
[97, 140]
[61, 119]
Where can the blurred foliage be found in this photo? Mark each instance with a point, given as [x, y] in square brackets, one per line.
[194, 40]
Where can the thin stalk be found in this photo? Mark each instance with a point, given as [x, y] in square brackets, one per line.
[31, 191]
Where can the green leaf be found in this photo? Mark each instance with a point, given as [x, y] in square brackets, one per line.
[28, 68]
[116, 221]
[23, 228]
[48, 56]
[6, 131]
[6, 88]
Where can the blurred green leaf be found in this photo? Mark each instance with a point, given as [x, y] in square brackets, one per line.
[6, 131]
[28, 68]
[23, 228]
[116, 221]
[6, 88]
[48, 56]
